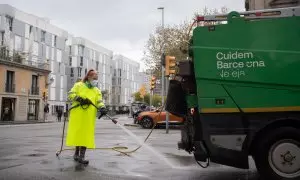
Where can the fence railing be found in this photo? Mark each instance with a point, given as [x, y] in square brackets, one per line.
[23, 58]
[35, 90]
[10, 88]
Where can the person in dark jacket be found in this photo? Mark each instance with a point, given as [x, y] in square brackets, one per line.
[59, 114]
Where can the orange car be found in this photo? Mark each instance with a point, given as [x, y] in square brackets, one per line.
[148, 118]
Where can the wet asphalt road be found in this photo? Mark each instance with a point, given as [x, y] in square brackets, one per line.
[28, 152]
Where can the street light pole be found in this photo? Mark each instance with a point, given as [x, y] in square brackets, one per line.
[162, 71]
[163, 50]
[150, 94]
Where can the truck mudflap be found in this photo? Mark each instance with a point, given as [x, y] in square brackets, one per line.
[175, 102]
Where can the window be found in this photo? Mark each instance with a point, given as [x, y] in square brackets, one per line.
[81, 60]
[30, 30]
[34, 85]
[85, 71]
[79, 71]
[9, 21]
[70, 61]
[43, 36]
[70, 50]
[10, 87]
[97, 65]
[59, 66]
[55, 39]
[72, 72]
[2, 38]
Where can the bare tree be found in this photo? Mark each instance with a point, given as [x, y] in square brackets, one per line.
[176, 38]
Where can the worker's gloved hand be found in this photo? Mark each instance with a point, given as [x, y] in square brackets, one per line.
[83, 101]
[79, 99]
[103, 111]
[87, 101]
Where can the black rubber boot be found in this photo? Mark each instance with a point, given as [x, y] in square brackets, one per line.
[76, 155]
[82, 159]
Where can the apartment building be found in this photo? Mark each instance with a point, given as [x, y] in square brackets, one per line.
[84, 55]
[125, 80]
[269, 4]
[39, 43]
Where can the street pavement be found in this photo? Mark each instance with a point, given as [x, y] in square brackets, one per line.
[28, 152]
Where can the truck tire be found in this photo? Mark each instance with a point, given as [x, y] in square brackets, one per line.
[277, 154]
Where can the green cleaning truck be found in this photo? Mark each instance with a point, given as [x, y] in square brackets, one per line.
[239, 92]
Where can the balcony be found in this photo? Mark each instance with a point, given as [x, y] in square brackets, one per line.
[20, 59]
[10, 88]
[35, 90]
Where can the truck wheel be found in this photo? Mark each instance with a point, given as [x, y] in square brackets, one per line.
[147, 122]
[277, 154]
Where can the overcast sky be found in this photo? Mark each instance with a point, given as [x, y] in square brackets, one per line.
[119, 25]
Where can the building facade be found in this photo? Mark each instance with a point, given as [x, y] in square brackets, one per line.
[84, 55]
[269, 4]
[21, 88]
[125, 80]
[39, 43]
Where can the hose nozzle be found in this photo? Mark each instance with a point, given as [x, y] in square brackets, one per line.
[114, 121]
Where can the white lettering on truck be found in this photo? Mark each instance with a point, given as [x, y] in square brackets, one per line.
[234, 55]
[234, 64]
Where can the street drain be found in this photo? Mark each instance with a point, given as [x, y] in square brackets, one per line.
[35, 155]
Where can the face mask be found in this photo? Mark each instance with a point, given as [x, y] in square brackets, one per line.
[94, 83]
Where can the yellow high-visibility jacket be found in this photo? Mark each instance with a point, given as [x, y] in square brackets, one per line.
[82, 120]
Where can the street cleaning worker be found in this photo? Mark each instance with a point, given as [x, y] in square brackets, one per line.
[81, 128]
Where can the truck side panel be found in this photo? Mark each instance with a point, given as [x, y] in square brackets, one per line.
[228, 98]
[255, 52]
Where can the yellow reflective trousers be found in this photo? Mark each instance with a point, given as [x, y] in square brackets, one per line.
[81, 126]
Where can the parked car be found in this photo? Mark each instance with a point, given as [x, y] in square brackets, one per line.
[148, 118]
